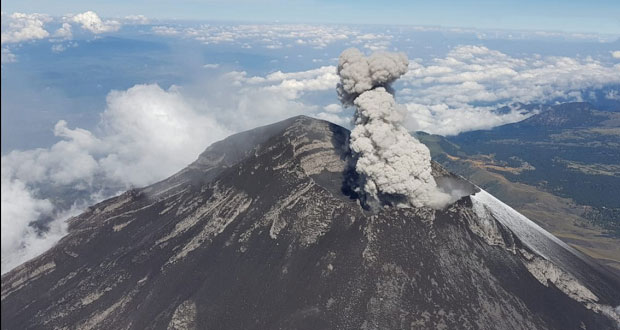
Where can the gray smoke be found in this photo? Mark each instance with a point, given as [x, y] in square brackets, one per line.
[390, 160]
[359, 73]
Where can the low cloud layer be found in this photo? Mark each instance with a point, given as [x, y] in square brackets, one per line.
[459, 92]
[270, 36]
[392, 164]
[23, 27]
[145, 134]
[20, 27]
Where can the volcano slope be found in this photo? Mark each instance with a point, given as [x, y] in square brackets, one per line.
[265, 231]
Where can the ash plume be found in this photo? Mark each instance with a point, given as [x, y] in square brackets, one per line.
[393, 164]
[359, 73]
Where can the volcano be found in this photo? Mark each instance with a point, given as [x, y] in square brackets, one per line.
[267, 230]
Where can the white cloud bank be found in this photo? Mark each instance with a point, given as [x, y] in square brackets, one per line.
[136, 20]
[90, 21]
[64, 32]
[276, 36]
[459, 92]
[147, 134]
[19, 240]
[20, 27]
[7, 56]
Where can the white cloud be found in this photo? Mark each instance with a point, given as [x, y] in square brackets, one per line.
[90, 21]
[333, 108]
[61, 47]
[64, 31]
[58, 48]
[334, 118]
[615, 54]
[20, 27]
[146, 122]
[19, 208]
[147, 134]
[7, 56]
[165, 30]
[270, 36]
[444, 96]
[211, 66]
[613, 95]
[373, 41]
[276, 96]
[136, 20]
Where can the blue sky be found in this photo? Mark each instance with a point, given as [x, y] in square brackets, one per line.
[601, 16]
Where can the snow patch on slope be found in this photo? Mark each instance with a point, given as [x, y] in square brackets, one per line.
[492, 212]
[531, 234]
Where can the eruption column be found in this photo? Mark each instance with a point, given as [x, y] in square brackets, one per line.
[393, 164]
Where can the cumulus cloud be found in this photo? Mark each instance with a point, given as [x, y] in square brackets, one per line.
[19, 208]
[276, 96]
[138, 126]
[61, 47]
[373, 41]
[165, 30]
[147, 134]
[461, 91]
[392, 163]
[613, 95]
[20, 27]
[149, 122]
[334, 118]
[64, 31]
[333, 108]
[7, 56]
[136, 20]
[58, 48]
[90, 21]
[270, 36]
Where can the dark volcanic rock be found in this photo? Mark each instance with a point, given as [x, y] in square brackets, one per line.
[264, 231]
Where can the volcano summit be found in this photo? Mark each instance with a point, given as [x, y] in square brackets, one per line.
[265, 230]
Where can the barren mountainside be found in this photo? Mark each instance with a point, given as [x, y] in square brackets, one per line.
[266, 231]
